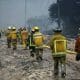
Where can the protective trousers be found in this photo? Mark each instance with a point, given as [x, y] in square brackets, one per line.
[32, 50]
[59, 63]
[14, 44]
[24, 43]
[9, 42]
[39, 53]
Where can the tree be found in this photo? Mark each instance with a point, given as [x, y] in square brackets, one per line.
[69, 13]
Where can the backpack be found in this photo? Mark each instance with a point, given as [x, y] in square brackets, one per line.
[38, 39]
[14, 35]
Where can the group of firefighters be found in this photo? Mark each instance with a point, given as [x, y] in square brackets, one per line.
[35, 40]
[30, 40]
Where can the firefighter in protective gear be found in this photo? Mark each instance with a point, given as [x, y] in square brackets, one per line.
[24, 36]
[14, 38]
[38, 37]
[19, 36]
[38, 40]
[58, 47]
[30, 42]
[77, 46]
[20, 30]
[8, 34]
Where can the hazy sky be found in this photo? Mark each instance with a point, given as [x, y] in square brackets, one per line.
[12, 12]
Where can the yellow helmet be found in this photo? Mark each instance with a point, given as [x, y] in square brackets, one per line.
[36, 28]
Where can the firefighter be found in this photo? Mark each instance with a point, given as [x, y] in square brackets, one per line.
[14, 38]
[20, 30]
[77, 46]
[30, 42]
[24, 36]
[58, 48]
[8, 34]
[19, 36]
[38, 40]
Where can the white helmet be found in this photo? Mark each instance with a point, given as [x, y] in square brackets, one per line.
[9, 27]
[13, 28]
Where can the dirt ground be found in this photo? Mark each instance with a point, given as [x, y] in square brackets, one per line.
[18, 65]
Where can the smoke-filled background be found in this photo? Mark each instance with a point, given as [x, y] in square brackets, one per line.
[42, 13]
[69, 15]
[24, 12]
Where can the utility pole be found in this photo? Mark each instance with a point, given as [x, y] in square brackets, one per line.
[25, 13]
[58, 13]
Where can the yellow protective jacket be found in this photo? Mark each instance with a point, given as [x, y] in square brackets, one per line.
[13, 35]
[8, 34]
[24, 34]
[58, 41]
[38, 38]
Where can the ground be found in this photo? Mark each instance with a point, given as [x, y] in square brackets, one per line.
[18, 65]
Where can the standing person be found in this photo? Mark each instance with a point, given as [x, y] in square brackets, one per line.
[24, 36]
[58, 47]
[8, 35]
[77, 47]
[20, 30]
[30, 42]
[14, 38]
[38, 40]
[19, 36]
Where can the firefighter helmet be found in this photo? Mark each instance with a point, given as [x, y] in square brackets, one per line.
[9, 27]
[57, 30]
[13, 28]
[36, 28]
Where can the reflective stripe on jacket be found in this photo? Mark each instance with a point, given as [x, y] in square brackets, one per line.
[13, 35]
[38, 39]
[58, 41]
